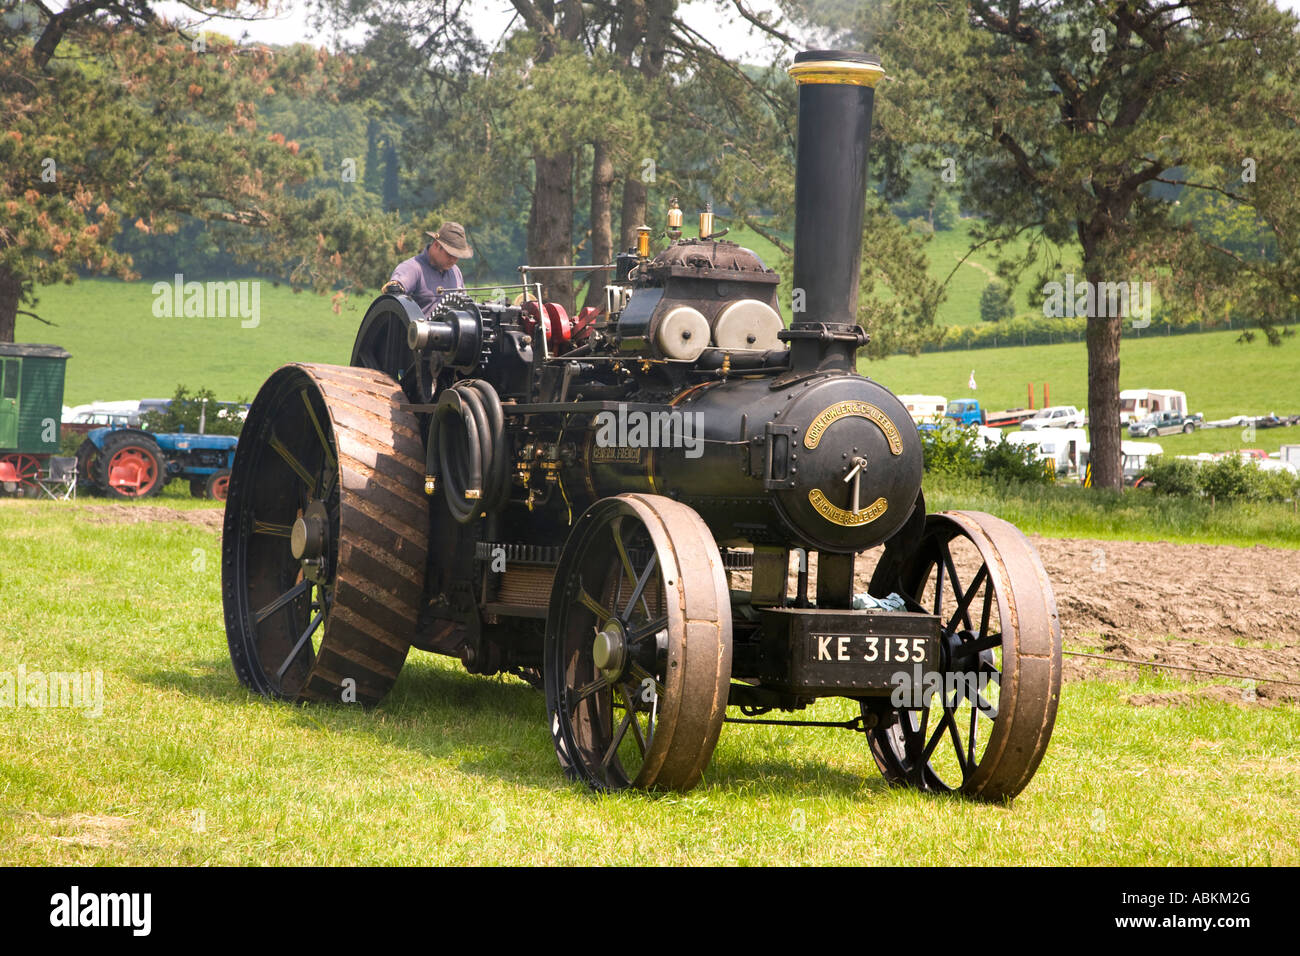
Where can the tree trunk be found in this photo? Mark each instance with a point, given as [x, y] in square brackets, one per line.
[633, 214]
[1103, 395]
[550, 224]
[602, 238]
[655, 18]
[10, 291]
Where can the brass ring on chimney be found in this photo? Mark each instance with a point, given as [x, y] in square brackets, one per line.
[837, 71]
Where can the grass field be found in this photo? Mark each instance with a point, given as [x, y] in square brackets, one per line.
[1220, 376]
[121, 350]
[1069, 511]
[965, 285]
[185, 767]
[951, 261]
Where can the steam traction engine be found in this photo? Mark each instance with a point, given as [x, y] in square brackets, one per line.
[608, 506]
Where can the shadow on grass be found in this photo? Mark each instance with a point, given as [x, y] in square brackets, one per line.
[497, 728]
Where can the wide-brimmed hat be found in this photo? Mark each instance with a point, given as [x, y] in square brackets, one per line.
[452, 237]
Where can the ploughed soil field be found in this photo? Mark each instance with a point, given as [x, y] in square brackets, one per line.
[1228, 610]
[1235, 611]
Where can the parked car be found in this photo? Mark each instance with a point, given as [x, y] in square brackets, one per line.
[1164, 423]
[1055, 416]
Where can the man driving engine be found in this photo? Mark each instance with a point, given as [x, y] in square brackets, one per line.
[427, 276]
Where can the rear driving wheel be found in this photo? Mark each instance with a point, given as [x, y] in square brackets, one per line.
[326, 526]
[19, 478]
[131, 466]
[217, 485]
[88, 466]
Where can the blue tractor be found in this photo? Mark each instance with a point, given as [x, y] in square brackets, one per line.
[133, 463]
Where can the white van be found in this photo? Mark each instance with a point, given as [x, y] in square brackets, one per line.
[1063, 446]
[1136, 404]
[924, 408]
[1134, 456]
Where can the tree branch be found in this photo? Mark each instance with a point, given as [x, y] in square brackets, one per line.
[759, 22]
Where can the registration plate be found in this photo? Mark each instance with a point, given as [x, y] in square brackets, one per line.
[868, 648]
[826, 651]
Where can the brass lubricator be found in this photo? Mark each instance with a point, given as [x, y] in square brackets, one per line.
[674, 220]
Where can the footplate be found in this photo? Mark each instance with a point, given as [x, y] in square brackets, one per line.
[854, 653]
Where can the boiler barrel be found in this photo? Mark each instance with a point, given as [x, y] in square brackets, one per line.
[765, 465]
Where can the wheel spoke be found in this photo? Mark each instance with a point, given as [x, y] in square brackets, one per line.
[974, 724]
[297, 648]
[639, 590]
[618, 739]
[963, 605]
[582, 693]
[293, 463]
[320, 432]
[971, 648]
[636, 727]
[950, 718]
[645, 630]
[281, 601]
[640, 673]
[952, 574]
[602, 613]
[938, 588]
[270, 527]
[934, 738]
[616, 528]
[988, 608]
[913, 739]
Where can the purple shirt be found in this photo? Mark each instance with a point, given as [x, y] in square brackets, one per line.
[421, 280]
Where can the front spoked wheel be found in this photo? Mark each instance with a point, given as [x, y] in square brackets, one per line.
[980, 724]
[638, 646]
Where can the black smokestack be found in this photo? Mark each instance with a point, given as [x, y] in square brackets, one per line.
[836, 94]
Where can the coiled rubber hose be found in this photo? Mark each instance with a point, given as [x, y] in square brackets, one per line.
[466, 451]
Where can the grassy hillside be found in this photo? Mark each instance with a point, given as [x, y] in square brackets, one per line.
[1220, 376]
[967, 282]
[120, 350]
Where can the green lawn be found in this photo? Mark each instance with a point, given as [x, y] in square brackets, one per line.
[185, 767]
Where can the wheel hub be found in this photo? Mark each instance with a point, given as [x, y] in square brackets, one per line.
[609, 651]
[309, 539]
